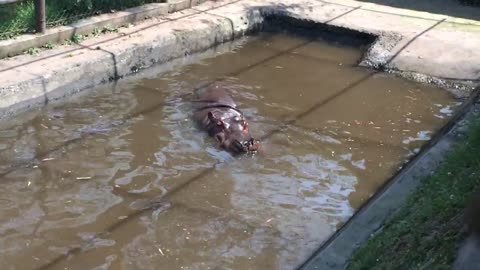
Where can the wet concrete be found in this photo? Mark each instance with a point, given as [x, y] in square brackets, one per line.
[117, 191]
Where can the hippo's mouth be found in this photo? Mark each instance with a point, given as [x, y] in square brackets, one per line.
[250, 145]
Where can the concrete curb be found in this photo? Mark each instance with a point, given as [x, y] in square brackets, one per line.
[27, 81]
[38, 88]
[22, 43]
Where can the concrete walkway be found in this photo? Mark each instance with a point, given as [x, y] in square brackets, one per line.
[414, 42]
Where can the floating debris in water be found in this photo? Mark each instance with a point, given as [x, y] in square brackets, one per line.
[421, 136]
[446, 110]
[409, 97]
[346, 156]
[84, 178]
[360, 164]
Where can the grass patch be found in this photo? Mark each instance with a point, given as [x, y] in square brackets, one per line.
[19, 18]
[49, 45]
[471, 2]
[33, 51]
[425, 233]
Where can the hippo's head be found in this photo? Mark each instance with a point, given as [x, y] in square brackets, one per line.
[233, 134]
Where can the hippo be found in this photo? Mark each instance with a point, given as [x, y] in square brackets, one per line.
[216, 112]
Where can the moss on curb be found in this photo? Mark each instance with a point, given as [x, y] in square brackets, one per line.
[19, 18]
[471, 2]
[426, 232]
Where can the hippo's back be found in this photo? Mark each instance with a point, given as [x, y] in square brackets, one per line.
[215, 94]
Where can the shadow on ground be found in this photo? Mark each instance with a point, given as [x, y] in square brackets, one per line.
[446, 7]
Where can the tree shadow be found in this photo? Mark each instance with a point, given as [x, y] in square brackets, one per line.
[452, 8]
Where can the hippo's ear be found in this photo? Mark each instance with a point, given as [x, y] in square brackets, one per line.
[215, 120]
[211, 117]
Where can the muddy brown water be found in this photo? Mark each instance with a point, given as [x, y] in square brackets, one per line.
[111, 180]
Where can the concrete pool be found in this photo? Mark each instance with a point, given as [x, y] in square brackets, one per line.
[116, 191]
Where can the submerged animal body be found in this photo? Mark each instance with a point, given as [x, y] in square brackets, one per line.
[217, 113]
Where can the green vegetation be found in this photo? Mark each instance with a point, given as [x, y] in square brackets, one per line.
[67, 42]
[33, 51]
[471, 2]
[19, 18]
[425, 233]
[49, 45]
[110, 28]
[77, 38]
[96, 32]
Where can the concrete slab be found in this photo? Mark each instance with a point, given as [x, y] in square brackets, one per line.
[411, 42]
[22, 43]
[56, 35]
